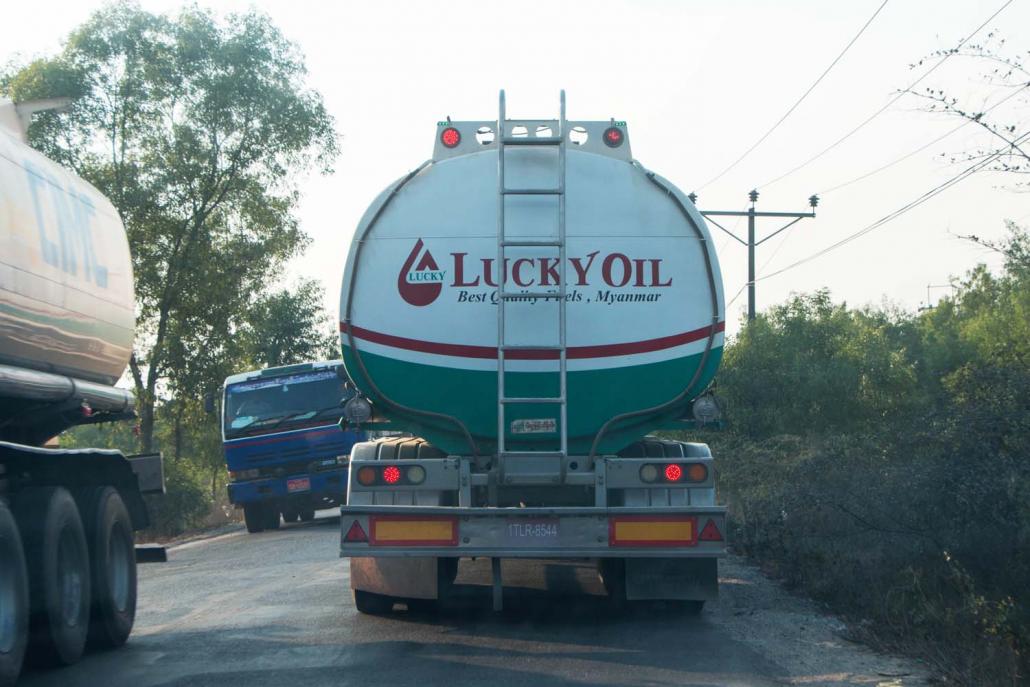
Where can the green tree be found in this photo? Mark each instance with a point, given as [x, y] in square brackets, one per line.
[291, 326]
[197, 131]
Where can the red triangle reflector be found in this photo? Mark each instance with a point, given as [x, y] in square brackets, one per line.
[708, 533]
[355, 534]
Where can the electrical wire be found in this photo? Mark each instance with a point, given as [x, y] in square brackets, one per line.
[920, 149]
[890, 102]
[799, 100]
[967, 172]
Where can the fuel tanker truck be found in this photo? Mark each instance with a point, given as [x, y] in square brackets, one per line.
[529, 305]
[67, 560]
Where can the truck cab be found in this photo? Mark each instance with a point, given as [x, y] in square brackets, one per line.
[285, 450]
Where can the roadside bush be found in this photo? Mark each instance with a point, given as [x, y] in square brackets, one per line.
[881, 461]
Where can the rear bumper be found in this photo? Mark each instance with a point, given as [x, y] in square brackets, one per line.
[431, 531]
[325, 484]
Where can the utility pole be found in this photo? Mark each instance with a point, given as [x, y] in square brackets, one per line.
[751, 214]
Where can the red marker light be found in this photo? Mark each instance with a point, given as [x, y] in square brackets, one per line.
[613, 137]
[673, 472]
[391, 474]
[450, 137]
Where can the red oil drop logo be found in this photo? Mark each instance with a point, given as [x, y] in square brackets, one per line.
[420, 280]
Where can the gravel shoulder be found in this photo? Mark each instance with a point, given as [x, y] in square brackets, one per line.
[791, 631]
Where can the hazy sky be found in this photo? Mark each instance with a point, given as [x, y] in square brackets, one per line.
[696, 82]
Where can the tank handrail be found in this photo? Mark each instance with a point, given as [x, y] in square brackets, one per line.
[713, 290]
[350, 330]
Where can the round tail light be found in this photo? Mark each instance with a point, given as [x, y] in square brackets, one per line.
[613, 137]
[391, 474]
[648, 473]
[366, 476]
[416, 474]
[673, 472]
[450, 137]
[697, 473]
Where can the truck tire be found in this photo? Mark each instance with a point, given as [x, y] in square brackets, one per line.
[112, 566]
[14, 599]
[254, 517]
[291, 515]
[307, 515]
[271, 516]
[57, 558]
[372, 604]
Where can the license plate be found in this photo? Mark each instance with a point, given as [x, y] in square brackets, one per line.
[296, 484]
[532, 532]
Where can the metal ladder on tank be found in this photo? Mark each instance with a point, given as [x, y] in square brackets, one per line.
[504, 140]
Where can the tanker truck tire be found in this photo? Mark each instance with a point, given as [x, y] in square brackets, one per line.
[307, 515]
[271, 517]
[372, 604]
[14, 599]
[57, 558]
[113, 567]
[254, 518]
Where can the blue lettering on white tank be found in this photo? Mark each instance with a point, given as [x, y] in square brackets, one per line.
[74, 213]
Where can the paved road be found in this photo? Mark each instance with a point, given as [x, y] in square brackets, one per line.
[275, 609]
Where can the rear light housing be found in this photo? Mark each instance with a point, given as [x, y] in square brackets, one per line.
[390, 475]
[673, 473]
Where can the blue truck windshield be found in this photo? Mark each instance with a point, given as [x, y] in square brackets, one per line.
[277, 403]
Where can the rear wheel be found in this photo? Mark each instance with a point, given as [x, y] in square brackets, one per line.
[58, 566]
[254, 517]
[272, 520]
[307, 515]
[14, 599]
[113, 566]
[372, 604]
[291, 515]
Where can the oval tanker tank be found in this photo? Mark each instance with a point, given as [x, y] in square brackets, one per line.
[66, 299]
[643, 324]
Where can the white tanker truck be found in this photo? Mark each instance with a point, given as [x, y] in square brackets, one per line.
[67, 562]
[531, 303]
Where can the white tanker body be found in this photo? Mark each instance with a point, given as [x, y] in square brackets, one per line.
[66, 333]
[531, 387]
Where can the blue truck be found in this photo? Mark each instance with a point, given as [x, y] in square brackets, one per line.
[285, 451]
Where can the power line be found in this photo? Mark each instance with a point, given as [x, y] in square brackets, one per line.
[799, 100]
[893, 100]
[972, 169]
[923, 147]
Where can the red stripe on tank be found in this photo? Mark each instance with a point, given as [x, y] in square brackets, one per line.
[573, 352]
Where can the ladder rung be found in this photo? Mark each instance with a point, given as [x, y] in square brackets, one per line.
[534, 141]
[507, 295]
[554, 243]
[530, 347]
[532, 192]
[533, 399]
[532, 454]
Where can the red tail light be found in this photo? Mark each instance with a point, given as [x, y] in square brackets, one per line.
[450, 137]
[613, 137]
[673, 472]
[391, 474]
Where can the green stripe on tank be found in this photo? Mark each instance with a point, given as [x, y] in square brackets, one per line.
[594, 397]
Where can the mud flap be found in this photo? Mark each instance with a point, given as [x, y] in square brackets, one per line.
[405, 578]
[695, 579]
